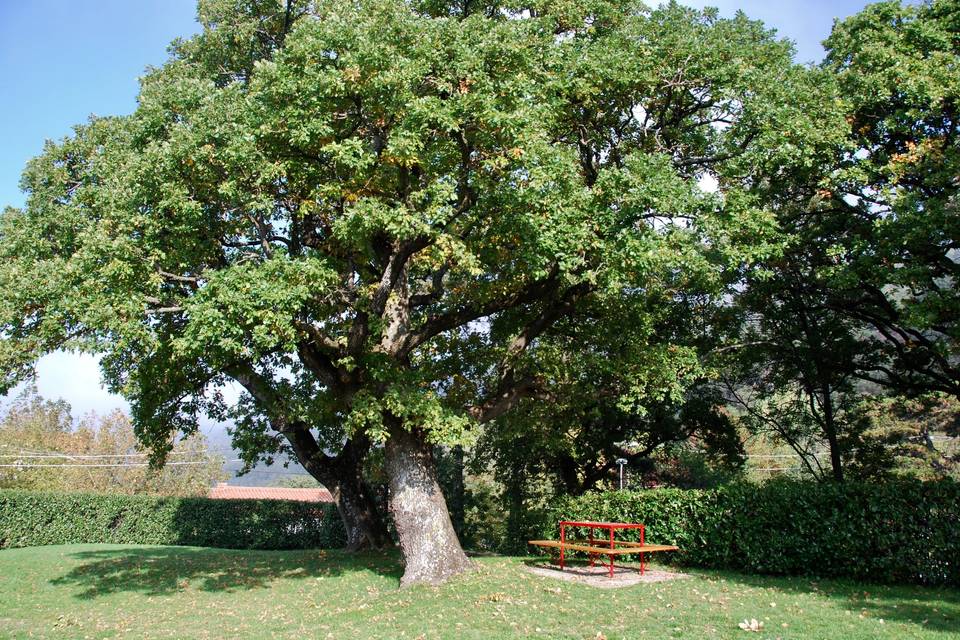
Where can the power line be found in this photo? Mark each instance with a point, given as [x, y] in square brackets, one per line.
[85, 456]
[105, 465]
[784, 455]
[100, 456]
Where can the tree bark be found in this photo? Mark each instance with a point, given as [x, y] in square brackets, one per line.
[358, 510]
[431, 549]
[830, 425]
[343, 477]
[458, 508]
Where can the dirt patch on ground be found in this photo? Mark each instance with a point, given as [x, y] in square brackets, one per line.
[598, 576]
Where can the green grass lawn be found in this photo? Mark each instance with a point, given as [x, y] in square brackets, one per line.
[108, 591]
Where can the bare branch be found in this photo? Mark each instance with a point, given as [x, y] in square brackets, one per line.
[160, 306]
[163, 310]
[192, 280]
[509, 390]
[437, 324]
[263, 230]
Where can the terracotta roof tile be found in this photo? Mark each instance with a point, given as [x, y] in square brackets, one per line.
[225, 491]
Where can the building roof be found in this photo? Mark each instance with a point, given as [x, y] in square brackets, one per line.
[224, 491]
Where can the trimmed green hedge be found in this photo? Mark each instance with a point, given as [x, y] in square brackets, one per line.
[41, 518]
[887, 532]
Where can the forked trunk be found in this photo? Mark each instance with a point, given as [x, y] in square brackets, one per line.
[431, 549]
[362, 521]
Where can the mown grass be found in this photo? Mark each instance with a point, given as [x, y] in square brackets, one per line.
[109, 591]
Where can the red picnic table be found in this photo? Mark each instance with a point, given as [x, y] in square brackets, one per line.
[607, 545]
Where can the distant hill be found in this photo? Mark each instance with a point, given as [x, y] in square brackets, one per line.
[262, 475]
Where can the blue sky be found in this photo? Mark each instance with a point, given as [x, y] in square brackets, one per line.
[62, 60]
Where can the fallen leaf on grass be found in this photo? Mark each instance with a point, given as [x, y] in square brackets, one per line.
[499, 596]
[751, 625]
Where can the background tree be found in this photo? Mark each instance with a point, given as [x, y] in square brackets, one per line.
[914, 436]
[797, 363]
[42, 449]
[616, 394]
[863, 292]
[352, 224]
[896, 261]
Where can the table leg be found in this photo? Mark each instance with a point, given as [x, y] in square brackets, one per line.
[563, 539]
[612, 546]
[642, 562]
[592, 555]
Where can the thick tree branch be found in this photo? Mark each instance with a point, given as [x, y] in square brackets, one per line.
[437, 324]
[509, 390]
[319, 464]
[297, 433]
[395, 267]
[505, 399]
[190, 280]
[321, 365]
[318, 337]
[435, 292]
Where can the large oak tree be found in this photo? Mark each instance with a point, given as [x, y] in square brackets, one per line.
[368, 213]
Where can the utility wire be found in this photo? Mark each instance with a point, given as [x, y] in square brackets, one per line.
[784, 455]
[106, 455]
[105, 465]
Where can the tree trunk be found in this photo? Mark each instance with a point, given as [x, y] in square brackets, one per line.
[566, 468]
[831, 428]
[361, 518]
[355, 501]
[431, 549]
[516, 486]
[458, 508]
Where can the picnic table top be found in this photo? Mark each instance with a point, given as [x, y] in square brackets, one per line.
[612, 551]
[601, 525]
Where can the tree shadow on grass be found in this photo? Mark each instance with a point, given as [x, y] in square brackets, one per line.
[933, 608]
[166, 570]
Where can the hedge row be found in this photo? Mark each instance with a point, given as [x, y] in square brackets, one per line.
[894, 532]
[41, 518]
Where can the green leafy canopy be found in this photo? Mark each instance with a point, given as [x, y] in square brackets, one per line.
[360, 210]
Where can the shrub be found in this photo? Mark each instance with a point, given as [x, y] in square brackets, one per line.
[41, 518]
[904, 531]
